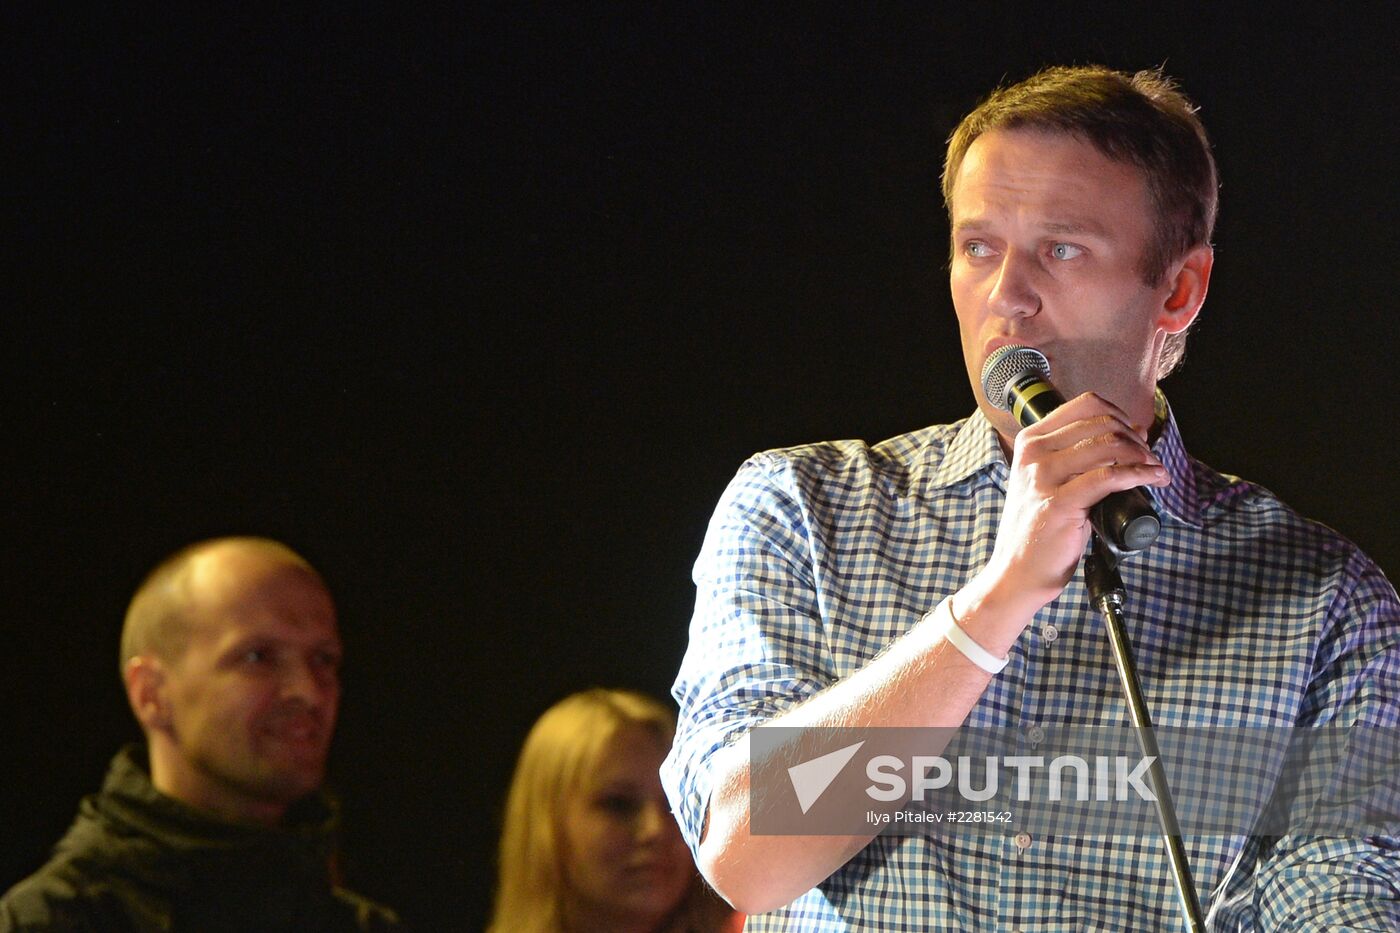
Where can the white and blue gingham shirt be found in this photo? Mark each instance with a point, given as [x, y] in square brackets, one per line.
[1241, 614]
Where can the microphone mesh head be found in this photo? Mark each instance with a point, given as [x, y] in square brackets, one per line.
[1004, 365]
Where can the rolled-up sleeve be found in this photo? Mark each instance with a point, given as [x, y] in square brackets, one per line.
[757, 643]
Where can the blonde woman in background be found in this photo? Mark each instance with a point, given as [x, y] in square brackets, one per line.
[589, 843]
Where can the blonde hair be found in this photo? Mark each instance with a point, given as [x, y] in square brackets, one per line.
[560, 752]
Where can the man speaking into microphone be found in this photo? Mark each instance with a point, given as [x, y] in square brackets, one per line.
[931, 580]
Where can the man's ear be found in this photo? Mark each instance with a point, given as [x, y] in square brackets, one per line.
[1189, 281]
[146, 692]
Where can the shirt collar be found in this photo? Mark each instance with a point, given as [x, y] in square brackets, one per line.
[1179, 499]
[975, 448]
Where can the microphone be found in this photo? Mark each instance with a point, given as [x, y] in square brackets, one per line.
[1017, 379]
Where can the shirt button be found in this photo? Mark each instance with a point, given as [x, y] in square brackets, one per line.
[1022, 841]
[1049, 632]
[1035, 735]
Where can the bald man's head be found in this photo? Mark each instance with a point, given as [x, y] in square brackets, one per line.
[161, 614]
[231, 662]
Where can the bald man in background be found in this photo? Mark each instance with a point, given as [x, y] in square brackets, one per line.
[230, 656]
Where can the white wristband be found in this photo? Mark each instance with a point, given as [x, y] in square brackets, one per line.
[948, 627]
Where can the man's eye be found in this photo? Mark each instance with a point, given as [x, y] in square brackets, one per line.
[976, 249]
[1066, 251]
[257, 655]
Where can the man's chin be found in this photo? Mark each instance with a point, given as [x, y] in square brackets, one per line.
[287, 775]
[285, 787]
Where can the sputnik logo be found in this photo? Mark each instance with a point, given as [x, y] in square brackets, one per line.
[811, 778]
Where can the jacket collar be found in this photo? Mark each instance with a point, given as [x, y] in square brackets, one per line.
[162, 838]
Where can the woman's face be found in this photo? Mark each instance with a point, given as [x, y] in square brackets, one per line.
[625, 864]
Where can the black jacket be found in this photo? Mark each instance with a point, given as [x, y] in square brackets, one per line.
[136, 860]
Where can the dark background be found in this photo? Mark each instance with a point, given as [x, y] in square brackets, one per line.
[481, 310]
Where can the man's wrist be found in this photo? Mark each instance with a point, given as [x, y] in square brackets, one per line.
[946, 624]
[990, 616]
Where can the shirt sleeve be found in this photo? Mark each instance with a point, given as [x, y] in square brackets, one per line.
[1314, 883]
[757, 642]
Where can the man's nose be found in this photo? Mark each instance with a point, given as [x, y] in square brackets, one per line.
[302, 680]
[1014, 293]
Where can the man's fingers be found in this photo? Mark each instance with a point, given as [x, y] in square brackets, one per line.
[1083, 416]
[1086, 490]
[1084, 445]
[1087, 405]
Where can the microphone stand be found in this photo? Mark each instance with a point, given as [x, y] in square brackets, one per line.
[1107, 592]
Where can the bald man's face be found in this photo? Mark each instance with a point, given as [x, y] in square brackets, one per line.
[254, 695]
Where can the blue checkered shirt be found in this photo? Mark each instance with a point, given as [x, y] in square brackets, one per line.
[1241, 614]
